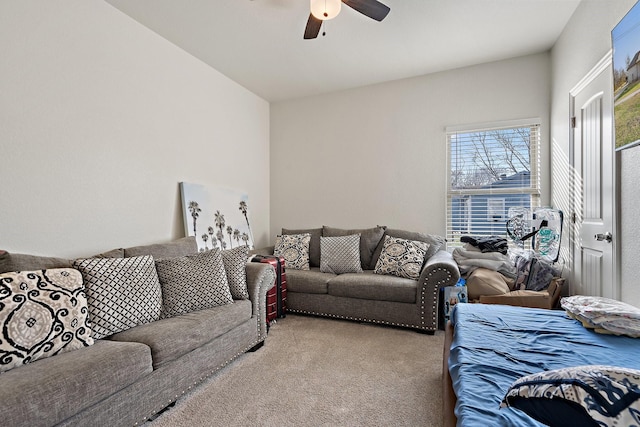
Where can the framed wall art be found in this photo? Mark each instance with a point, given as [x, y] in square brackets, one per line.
[218, 217]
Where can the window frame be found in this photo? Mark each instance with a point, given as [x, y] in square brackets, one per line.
[533, 190]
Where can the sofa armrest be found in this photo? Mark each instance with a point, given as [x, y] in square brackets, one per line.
[260, 278]
[439, 271]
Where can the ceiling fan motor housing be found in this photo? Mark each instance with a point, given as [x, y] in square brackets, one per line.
[325, 9]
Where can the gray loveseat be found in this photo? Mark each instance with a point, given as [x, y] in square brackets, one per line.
[369, 297]
[126, 378]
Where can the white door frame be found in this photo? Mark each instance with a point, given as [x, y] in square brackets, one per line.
[604, 65]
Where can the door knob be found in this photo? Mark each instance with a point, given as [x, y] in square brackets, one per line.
[608, 237]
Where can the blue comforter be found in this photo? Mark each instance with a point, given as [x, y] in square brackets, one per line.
[493, 345]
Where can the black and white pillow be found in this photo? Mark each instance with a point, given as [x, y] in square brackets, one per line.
[121, 292]
[340, 255]
[42, 313]
[295, 250]
[193, 282]
[590, 395]
[235, 261]
[401, 257]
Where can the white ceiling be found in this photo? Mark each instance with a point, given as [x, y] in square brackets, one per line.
[259, 44]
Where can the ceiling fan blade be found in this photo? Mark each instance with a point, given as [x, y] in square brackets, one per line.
[313, 27]
[371, 8]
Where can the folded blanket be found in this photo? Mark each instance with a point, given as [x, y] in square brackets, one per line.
[470, 260]
[604, 314]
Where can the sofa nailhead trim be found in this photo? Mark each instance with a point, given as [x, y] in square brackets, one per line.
[359, 319]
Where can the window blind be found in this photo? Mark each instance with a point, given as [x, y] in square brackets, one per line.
[492, 169]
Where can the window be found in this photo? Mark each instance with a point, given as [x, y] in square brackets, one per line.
[495, 209]
[492, 168]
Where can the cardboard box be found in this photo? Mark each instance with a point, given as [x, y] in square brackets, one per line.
[535, 299]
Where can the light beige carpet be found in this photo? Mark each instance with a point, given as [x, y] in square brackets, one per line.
[322, 372]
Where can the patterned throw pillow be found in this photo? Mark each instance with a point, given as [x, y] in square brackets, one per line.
[369, 240]
[122, 292]
[43, 313]
[193, 282]
[235, 261]
[340, 255]
[401, 257]
[295, 250]
[580, 396]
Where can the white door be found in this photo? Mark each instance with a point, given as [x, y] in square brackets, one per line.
[593, 187]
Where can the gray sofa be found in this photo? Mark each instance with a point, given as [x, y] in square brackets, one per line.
[369, 297]
[126, 378]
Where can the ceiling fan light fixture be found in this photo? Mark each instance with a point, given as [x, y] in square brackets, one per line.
[325, 9]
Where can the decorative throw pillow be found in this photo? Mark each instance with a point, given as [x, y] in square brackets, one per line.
[435, 242]
[579, 396]
[401, 257]
[43, 313]
[295, 250]
[193, 282]
[235, 261]
[122, 292]
[314, 243]
[369, 240]
[340, 254]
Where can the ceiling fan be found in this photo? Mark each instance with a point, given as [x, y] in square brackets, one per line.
[322, 10]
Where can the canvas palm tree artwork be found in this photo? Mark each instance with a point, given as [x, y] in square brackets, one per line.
[218, 217]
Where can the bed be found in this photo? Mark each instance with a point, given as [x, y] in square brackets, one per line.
[488, 347]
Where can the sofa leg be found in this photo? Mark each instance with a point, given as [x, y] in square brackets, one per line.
[422, 331]
[256, 347]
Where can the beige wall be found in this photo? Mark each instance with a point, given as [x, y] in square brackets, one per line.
[586, 40]
[100, 119]
[377, 154]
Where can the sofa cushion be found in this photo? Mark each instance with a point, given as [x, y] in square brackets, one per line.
[235, 261]
[193, 282]
[369, 240]
[113, 253]
[180, 247]
[42, 313]
[295, 250]
[435, 242]
[59, 387]
[340, 255]
[311, 281]
[372, 286]
[121, 292]
[314, 243]
[401, 257]
[23, 262]
[171, 338]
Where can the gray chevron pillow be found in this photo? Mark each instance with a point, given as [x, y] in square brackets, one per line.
[340, 255]
[235, 261]
[121, 292]
[193, 282]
